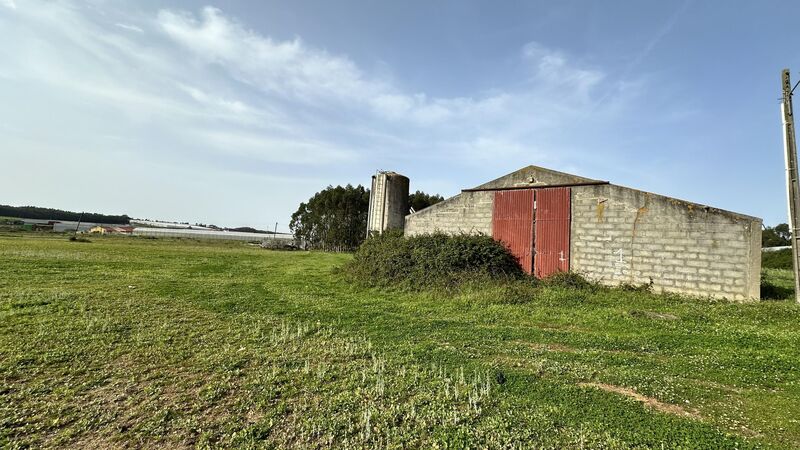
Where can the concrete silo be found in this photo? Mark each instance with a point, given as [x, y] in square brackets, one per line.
[388, 202]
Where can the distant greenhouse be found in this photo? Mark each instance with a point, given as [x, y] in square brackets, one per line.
[286, 239]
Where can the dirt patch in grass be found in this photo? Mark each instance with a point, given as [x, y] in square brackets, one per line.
[648, 401]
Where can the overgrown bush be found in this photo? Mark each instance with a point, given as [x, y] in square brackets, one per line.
[430, 260]
[781, 259]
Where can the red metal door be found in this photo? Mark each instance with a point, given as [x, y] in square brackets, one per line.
[552, 219]
[512, 224]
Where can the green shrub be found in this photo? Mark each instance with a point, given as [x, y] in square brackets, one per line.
[430, 260]
[781, 259]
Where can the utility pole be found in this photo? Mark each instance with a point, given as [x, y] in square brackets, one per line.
[77, 227]
[792, 182]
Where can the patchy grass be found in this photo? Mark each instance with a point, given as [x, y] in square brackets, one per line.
[133, 342]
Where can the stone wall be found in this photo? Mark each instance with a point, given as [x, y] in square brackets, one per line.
[621, 235]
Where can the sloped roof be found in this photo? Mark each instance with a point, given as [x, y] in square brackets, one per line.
[535, 176]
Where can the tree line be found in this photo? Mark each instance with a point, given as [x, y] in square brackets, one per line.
[35, 212]
[336, 217]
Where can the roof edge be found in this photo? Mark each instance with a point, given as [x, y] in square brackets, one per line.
[695, 204]
[587, 182]
[534, 167]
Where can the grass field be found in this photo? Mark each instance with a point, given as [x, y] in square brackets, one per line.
[125, 342]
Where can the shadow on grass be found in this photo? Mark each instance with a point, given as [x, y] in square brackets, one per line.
[771, 291]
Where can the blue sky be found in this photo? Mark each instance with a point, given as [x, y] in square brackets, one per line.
[234, 112]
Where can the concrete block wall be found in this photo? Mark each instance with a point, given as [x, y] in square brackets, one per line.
[621, 235]
[468, 212]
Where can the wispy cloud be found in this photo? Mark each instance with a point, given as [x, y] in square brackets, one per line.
[661, 33]
[202, 89]
[298, 72]
[129, 27]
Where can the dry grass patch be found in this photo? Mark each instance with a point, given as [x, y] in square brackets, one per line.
[648, 401]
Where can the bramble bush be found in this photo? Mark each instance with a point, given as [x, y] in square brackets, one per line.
[432, 260]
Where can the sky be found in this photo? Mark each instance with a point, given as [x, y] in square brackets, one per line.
[234, 112]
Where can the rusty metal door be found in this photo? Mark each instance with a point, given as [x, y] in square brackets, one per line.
[512, 224]
[552, 223]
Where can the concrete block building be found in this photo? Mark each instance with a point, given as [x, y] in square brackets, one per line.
[553, 221]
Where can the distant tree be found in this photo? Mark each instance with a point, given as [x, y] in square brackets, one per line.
[776, 236]
[35, 212]
[336, 217]
[250, 230]
[420, 200]
[333, 219]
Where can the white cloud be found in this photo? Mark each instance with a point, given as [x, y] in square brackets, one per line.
[287, 68]
[234, 106]
[293, 70]
[129, 27]
[554, 70]
[8, 4]
[204, 93]
[294, 150]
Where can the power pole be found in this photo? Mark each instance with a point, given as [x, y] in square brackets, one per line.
[792, 182]
[80, 219]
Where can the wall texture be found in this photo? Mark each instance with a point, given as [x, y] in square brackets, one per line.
[467, 212]
[622, 235]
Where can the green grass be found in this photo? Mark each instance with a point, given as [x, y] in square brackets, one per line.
[133, 342]
[781, 259]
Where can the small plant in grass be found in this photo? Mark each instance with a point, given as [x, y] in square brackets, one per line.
[633, 287]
